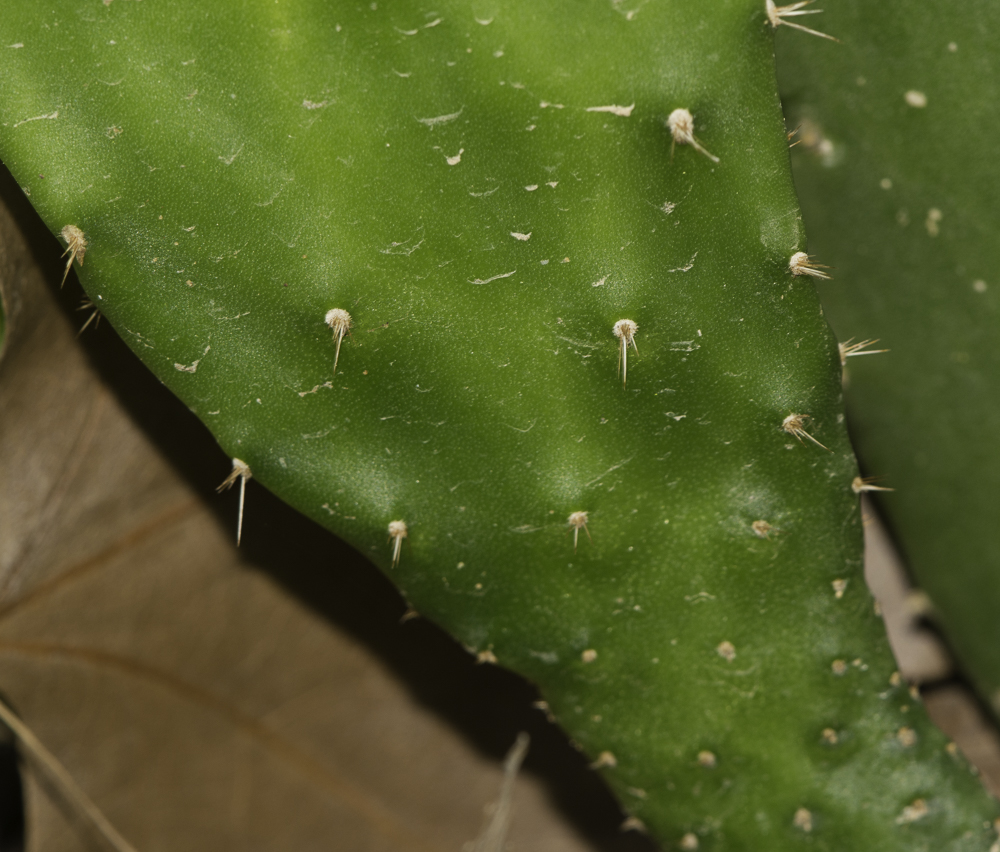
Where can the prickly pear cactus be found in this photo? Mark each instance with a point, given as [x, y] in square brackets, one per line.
[512, 297]
[899, 182]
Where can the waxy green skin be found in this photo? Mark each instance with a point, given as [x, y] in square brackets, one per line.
[241, 169]
[925, 415]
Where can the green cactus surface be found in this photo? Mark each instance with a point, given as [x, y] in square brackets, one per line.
[488, 189]
[900, 182]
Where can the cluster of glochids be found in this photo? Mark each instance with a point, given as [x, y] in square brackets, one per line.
[681, 125]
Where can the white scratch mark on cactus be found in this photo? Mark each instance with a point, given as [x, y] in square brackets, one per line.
[433, 23]
[581, 343]
[686, 268]
[440, 119]
[778, 15]
[403, 74]
[611, 469]
[16, 45]
[494, 835]
[312, 436]
[684, 346]
[525, 528]
[552, 183]
[240, 471]
[600, 282]
[614, 109]
[192, 367]
[308, 104]
[485, 194]
[915, 99]
[548, 657]
[454, 161]
[667, 207]
[547, 105]
[406, 32]
[701, 597]
[46, 117]
[406, 247]
[530, 426]
[328, 385]
[522, 237]
[531, 187]
[397, 532]
[484, 22]
[494, 278]
[269, 201]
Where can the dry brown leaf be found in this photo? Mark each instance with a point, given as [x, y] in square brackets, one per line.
[209, 698]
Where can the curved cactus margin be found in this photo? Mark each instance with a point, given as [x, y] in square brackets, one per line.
[900, 182]
[488, 190]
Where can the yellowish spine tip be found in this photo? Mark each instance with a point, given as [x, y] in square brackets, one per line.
[241, 471]
[578, 521]
[681, 125]
[397, 532]
[340, 321]
[76, 248]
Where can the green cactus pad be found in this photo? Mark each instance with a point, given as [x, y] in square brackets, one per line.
[900, 183]
[488, 189]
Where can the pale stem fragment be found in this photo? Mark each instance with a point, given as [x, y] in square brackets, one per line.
[240, 471]
[64, 781]
[681, 124]
[778, 15]
[340, 321]
[625, 330]
[76, 248]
